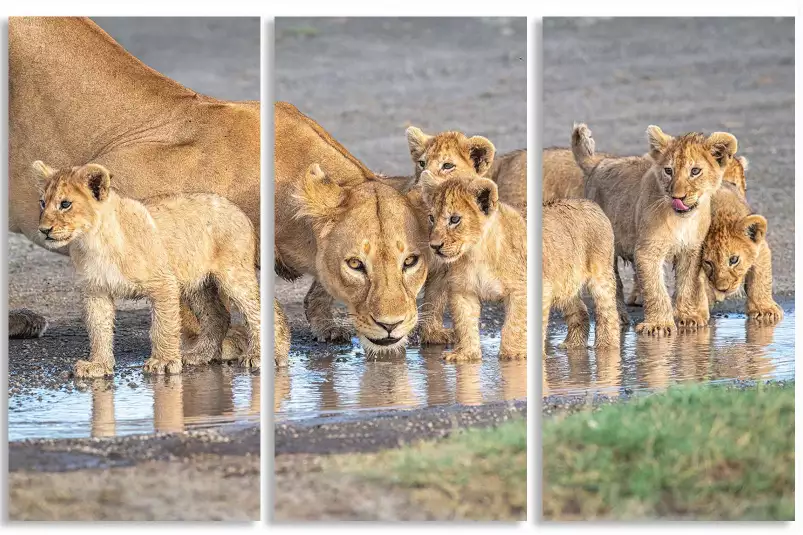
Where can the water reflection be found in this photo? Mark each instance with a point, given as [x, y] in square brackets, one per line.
[730, 348]
[321, 381]
[198, 398]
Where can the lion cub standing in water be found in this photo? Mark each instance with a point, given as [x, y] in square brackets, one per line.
[165, 249]
[484, 243]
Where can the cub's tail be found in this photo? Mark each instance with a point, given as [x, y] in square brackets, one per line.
[583, 148]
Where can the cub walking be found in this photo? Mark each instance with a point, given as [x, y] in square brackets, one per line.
[165, 249]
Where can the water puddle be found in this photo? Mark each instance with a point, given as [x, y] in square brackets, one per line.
[333, 381]
[132, 403]
[731, 348]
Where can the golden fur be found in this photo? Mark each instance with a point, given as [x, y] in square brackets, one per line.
[76, 96]
[448, 154]
[168, 249]
[282, 340]
[484, 243]
[667, 218]
[578, 252]
[562, 177]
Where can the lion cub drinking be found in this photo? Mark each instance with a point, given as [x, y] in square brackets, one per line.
[165, 249]
[484, 243]
[660, 208]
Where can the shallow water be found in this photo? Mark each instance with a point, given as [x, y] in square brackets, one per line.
[342, 381]
[731, 348]
[132, 403]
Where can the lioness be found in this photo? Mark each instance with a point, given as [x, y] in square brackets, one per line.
[668, 218]
[578, 252]
[454, 154]
[165, 249]
[484, 243]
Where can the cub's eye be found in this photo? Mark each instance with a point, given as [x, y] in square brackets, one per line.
[668, 171]
[733, 260]
[431, 219]
[422, 164]
[454, 220]
[42, 204]
[410, 261]
[65, 204]
[695, 171]
[355, 264]
[446, 166]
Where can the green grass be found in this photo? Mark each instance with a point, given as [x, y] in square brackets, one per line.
[697, 452]
[478, 474]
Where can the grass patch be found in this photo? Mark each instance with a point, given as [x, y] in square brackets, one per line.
[712, 453]
[478, 474]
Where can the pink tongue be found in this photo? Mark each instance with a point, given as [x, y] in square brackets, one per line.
[677, 204]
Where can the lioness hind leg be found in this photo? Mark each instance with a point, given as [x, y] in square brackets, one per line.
[242, 288]
[602, 287]
[318, 309]
[214, 320]
[24, 323]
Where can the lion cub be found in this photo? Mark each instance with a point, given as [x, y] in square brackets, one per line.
[484, 243]
[660, 208]
[578, 252]
[166, 249]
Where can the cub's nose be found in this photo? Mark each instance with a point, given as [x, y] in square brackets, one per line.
[387, 325]
[46, 231]
[436, 247]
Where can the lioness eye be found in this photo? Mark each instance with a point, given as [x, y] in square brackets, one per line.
[733, 260]
[42, 204]
[355, 264]
[447, 166]
[695, 171]
[422, 164]
[410, 261]
[454, 220]
[668, 171]
[65, 204]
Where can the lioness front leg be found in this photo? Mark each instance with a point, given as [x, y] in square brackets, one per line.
[99, 321]
[465, 309]
[165, 329]
[318, 309]
[436, 297]
[514, 331]
[658, 319]
[761, 306]
[691, 301]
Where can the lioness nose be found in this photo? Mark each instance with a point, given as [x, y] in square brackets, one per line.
[45, 231]
[386, 325]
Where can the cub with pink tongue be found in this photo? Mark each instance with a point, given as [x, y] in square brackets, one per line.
[678, 205]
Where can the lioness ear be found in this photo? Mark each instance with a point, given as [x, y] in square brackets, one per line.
[487, 195]
[429, 184]
[98, 179]
[658, 140]
[481, 153]
[755, 226]
[318, 197]
[42, 172]
[417, 142]
[722, 146]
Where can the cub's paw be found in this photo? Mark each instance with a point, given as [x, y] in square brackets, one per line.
[199, 356]
[335, 334]
[513, 353]
[656, 328]
[635, 299]
[462, 355]
[251, 362]
[691, 322]
[91, 369]
[767, 313]
[437, 336]
[158, 366]
[624, 320]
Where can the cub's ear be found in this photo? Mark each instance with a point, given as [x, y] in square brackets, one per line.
[487, 195]
[755, 226]
[417, 142]
[42, 173]
[481, 152]
[98, 179]
[658, 141]
[722, 146]
[429, 186]
[318, 198]
[744, 161]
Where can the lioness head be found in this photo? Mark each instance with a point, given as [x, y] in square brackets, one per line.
[369, 254]
[459, 212]
[689, 167]
[70, 201]
[449, 153]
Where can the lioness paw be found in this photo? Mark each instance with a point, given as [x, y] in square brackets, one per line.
[158, 366]
[767, 313]
[89, 369]
[462, 355]
[655, 328]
